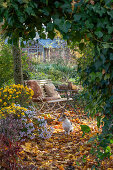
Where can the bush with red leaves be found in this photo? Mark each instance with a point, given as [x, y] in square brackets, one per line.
[9, 154]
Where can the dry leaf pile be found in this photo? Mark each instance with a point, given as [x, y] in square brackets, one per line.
[64, 152]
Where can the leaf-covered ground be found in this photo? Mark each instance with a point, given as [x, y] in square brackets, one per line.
[64, 152]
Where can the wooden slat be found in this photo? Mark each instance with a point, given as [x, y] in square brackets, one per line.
[59, 100]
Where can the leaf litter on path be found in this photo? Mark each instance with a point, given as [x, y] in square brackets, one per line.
[64, 151]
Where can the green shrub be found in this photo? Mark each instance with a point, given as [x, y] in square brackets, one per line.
[6, 64]
[56, 72]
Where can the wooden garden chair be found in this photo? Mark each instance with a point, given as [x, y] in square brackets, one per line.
[46, 97]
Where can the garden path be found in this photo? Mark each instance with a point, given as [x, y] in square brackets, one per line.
[64, 152]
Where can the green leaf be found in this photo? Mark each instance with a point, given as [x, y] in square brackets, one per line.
[92, 76]
[84, 158]
[29, 10]
[10, 21]
[98, 121]
[111, 75]
[102, 11]
[20, 1]
[21, 19]
[111, 56]
[107, 76]
[103, 58]
[57, 21]
[110, 13]
[85, 129]
[98, 64]
[77, 163]
[89, 24]
[65, 26]
[106, 66]
[110, 29]
[111, 141]
[106, 37]
[15, 6]
[45, 12]
[108, 149]
[111, 99]
[57, 4]
[99, 34]
[99, 75]
[77, 17]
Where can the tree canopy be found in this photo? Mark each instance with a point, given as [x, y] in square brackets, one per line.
[74, 19]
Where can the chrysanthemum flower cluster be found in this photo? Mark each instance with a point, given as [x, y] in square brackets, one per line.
[18, 122]
[15, 94]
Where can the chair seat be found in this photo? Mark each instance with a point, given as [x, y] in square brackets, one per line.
[59, 100]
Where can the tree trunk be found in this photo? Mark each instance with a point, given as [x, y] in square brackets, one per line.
[18, 75]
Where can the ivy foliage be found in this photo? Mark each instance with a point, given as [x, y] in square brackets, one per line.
[79, 22]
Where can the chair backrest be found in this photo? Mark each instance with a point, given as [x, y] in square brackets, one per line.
[41, 84]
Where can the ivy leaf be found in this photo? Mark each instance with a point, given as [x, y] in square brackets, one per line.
[111, 56]
[57, 21]
[99, 34]
[102, 11]
[108, 2]
[108, 149]
[111, 74]
[15, 6]
[99, 75]
[110, 13]
[29, 11]
[21, 19]
[107, 66]
[77, 17]
[45, 12]
[93, 76]
[10, 21]
[110, 29]
[111, 141]
[111, 99]
[89, 24]
[103, 58]
[64, 26]
[20, 1]
[107, 76]
[57, 4]
[97, 64]
[85, 129]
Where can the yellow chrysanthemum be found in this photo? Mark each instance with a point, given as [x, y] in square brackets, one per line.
[23, 113]
[0, 100]
[4, 103]
[5, 90]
